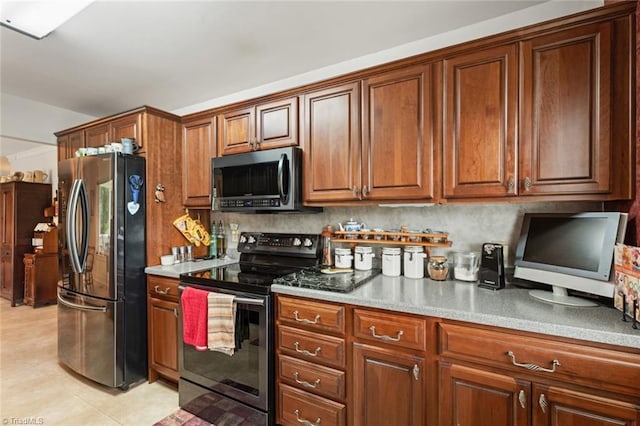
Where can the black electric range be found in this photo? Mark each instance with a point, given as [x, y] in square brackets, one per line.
[263, 258]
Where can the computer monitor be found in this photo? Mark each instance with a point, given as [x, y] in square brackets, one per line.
[569, 251]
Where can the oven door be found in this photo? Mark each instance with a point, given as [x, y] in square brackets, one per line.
[247, 375]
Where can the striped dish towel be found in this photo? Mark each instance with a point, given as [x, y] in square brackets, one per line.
[221, 323]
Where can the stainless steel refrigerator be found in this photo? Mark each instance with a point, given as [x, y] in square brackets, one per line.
[102, 315]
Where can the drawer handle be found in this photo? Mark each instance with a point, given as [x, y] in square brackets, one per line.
[543, 403]
[306, 352]
[304, 421]
[304, 320]
[165, 291]
[534, 367]
[384, 337]
[304, 383]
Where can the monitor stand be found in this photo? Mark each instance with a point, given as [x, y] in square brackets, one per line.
[561, 297]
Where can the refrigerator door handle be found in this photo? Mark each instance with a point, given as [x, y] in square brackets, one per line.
[72, 208]
[78, 195]
[65, 302]
[84, 203]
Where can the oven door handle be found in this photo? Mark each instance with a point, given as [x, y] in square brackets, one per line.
[241, 300]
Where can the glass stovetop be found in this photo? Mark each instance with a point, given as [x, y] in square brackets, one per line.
[313, 278]
[249, 278]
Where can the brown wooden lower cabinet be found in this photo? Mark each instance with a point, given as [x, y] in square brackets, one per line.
[404, 369]
[40, 278]
[162, 328]
[388, 387]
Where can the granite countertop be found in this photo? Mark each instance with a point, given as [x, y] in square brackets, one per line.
[510, 308]
[174, 271]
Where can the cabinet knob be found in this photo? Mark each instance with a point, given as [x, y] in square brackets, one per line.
[365, 191]
[522, 398]
[511, 184]
[542, 401]
[527, 184]
[355, 191]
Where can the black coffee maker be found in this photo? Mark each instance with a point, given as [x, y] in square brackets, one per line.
[491, 273]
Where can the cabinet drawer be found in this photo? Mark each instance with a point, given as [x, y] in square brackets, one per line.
[591, 366]
[299, 407]
[312, 347]
[390, 328]
[312, 314]
[162, 288]
[310, 377]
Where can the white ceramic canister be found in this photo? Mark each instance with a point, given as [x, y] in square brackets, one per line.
[343, 258]
[363, 256]
[391, 261]
[414, 262]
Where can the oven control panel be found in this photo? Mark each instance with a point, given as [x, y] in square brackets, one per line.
[303, 245]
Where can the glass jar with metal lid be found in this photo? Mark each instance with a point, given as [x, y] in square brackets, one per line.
[438, 268]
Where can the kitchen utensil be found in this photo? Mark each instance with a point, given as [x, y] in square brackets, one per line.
[491, 274]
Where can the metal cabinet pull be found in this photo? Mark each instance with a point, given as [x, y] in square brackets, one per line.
[365, 191]
[416, 372]
[527, 184]
[165, 291]
[355, 191]
[304, 320]
[384, 337]
[511, 184]
[542, 401]
[306, 352]
[522, 398]
[175, 312]
[304, 383]
[534, 367]
[304, 421]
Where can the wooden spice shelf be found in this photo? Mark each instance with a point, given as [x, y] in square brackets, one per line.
[392, 238]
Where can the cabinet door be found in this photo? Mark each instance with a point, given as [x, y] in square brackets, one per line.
[163, 338]
[397, 149]
[69, 144]
[388, 387]
[469, 396]
[96, 136]
[480, 123]
[6, 240]
[553, 406]
[198, 147]
[277, 124]
[331, 143]
[236, 131]
[565, 106]
[129, 126]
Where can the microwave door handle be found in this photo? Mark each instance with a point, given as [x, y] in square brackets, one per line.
[283, 196]
[72, 211]
[84, 203]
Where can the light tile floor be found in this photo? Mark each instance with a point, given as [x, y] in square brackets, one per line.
[36, 389]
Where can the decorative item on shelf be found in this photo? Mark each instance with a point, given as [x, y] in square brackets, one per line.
[159, 194]
[627, 282]
[45, 238]
[396, 237]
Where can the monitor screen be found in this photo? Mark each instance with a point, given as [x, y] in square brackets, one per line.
[567, 242]
[579, 244]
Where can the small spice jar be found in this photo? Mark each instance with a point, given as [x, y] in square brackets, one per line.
[438, 268]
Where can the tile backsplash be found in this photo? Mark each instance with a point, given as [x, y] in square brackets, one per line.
[468, 225]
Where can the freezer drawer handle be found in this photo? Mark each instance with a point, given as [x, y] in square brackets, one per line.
[82, 307]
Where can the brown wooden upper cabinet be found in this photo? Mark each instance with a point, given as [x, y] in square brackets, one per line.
[331, 141]
[391, 159]
[198, 147]
[480, 113]
[263, 126]
[124, 127]
[68, 144]
[565, 106]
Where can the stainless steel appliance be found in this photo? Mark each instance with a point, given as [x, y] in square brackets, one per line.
[259, 181]
[225, 389]
[102, 327]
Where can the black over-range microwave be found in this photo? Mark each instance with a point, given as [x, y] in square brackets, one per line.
[267, 181]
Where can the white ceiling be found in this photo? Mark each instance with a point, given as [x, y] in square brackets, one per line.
[118, 55]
